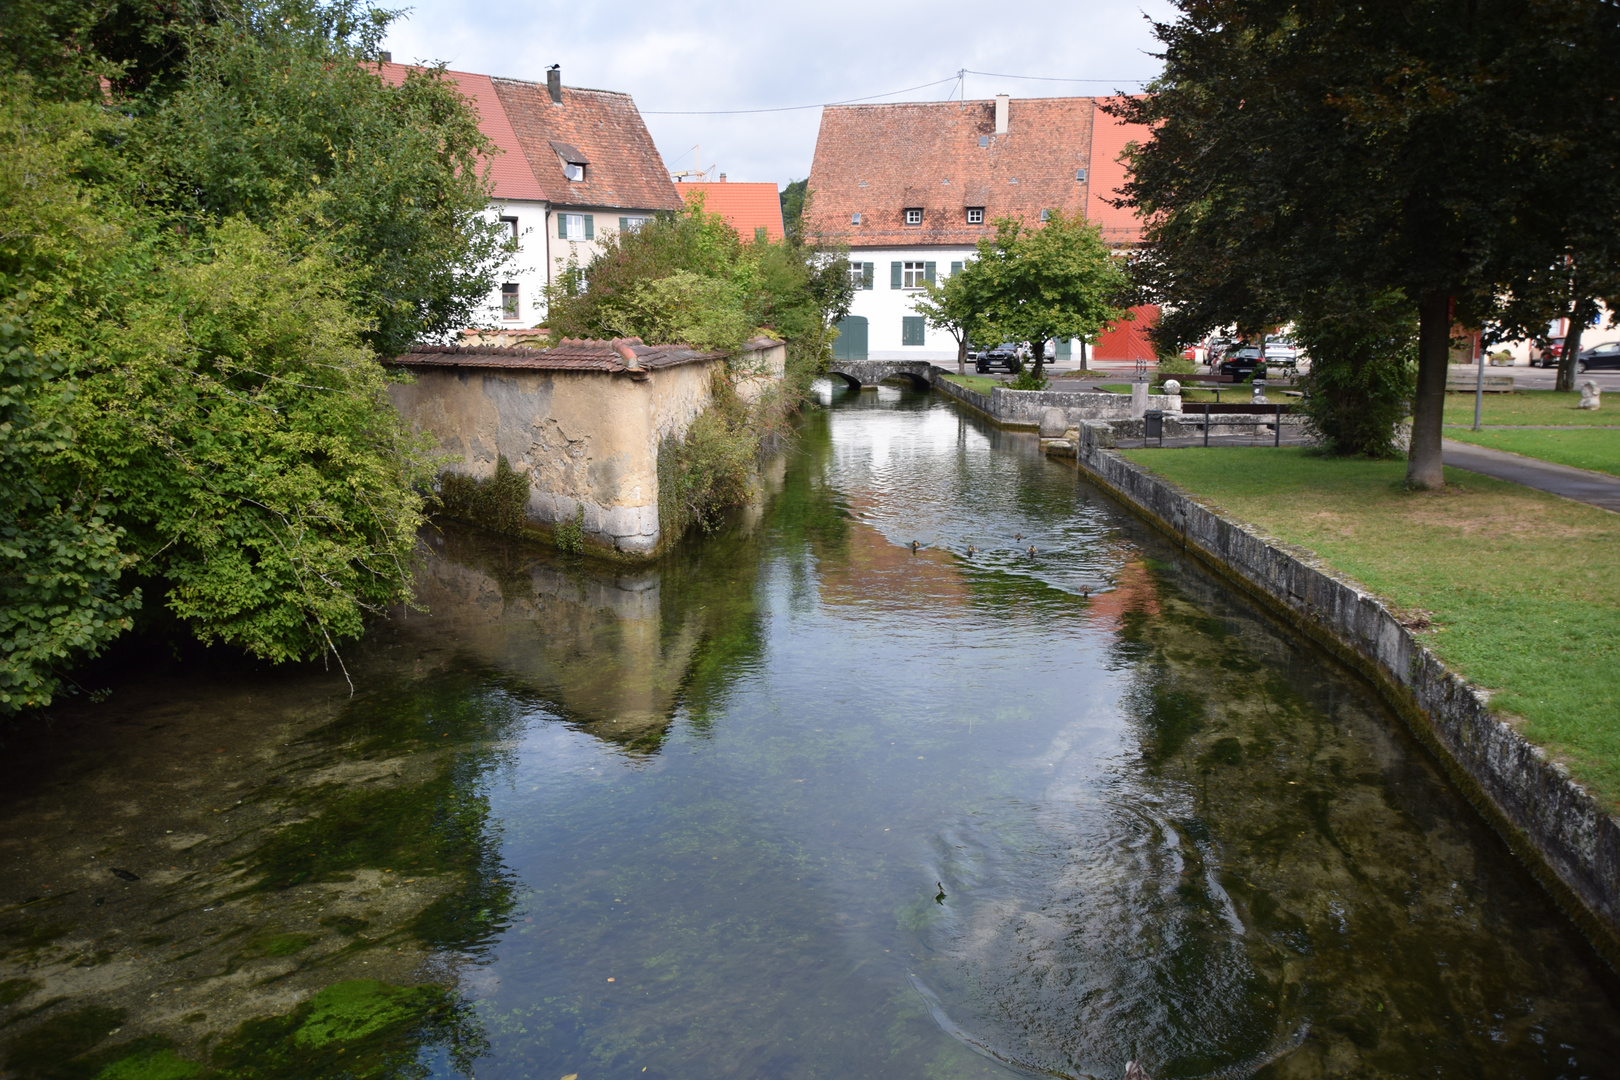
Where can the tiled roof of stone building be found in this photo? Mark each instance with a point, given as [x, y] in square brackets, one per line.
[509, 169]
[571, 354]
[623, 168]
[746, 206]
[945, 158]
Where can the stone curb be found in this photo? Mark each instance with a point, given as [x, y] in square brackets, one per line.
[1554, 825]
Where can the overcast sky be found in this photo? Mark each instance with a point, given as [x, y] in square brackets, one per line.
[718, 55]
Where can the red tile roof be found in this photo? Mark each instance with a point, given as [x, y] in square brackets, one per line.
[1109, 138]
[624, 168]
[746, 206]
[880, 160]
[510, 168]
[571, 354]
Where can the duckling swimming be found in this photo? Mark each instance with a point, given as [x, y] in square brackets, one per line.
[1032, 549]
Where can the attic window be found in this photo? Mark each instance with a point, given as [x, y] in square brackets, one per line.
[1046, 215]
[1080, 175]
[854, 219]
[574, 163]
[984, 140]
[914, 215]
[975, 215]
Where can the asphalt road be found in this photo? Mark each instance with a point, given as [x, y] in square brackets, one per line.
[1597, 489]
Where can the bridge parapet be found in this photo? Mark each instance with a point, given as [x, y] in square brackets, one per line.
[866, 374]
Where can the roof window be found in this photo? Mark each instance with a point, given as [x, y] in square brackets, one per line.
[1046, 215]
[975, 215]
[854, 219]
[1080, 175]
[913, 215]
[984, 140]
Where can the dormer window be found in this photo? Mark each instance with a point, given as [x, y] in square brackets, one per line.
[975, 215]
[914, 215]
[573, 162]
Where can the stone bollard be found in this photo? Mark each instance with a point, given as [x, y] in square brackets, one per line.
[1053, 423]
[1259, 397]
[1172, 391]
[1138, 400]
[1590, 395]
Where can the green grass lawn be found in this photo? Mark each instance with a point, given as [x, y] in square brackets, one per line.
[1585, 449]
[1528, 407]
[1522, 587]
[979, 384]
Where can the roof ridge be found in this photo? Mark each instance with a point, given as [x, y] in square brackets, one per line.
[576, 89]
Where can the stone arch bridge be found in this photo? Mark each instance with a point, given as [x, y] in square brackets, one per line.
[866, 374]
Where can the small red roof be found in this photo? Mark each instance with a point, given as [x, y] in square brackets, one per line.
[748, 207]
[510, 170]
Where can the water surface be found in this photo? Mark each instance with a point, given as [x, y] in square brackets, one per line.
[802, 801]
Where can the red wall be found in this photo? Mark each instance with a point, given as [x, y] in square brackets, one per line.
[1127, 339]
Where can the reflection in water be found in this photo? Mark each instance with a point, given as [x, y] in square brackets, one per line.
[800, 801]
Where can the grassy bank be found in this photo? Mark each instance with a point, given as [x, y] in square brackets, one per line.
[1528, 407]
[979, 384]
[1584, 448]
[1520, 589]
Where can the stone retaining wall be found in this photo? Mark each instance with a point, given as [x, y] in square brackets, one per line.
[1021, 410]
[1560, 831]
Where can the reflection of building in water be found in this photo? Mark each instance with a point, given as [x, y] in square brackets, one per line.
[871, 570]
[1134, 591]
[596, 646]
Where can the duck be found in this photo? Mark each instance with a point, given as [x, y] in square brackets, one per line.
[915, 546]
[971, 550]
[1018, 536]
[1133, 1071]
[1032, 549]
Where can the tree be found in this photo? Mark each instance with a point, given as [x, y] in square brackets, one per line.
[1416, 151]
[954, 306]
[1041, 284]
[795, 197]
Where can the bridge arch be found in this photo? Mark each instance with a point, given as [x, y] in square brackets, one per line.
[843, 378]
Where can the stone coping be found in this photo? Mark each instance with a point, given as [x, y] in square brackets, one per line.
[570, 354]
[1556, 827]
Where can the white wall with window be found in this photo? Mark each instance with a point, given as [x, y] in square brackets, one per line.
[518, 295]
[886, 280]
[575, 234]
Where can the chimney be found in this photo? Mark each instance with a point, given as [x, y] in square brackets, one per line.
[554, 84]
[386, 57]
[1002, 101]
[722, 178]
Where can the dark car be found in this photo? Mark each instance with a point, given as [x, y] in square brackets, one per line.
[1606, 355]
[1240, 362]
[1003, 356]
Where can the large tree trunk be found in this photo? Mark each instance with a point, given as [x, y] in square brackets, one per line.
[1037, 349]
[1423, 468]
[1580, 314]
[961, 355]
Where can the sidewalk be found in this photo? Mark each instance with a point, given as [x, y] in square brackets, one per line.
[1571, 483]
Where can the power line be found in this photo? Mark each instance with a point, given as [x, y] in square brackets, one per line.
[1048, 78]
[788, 108]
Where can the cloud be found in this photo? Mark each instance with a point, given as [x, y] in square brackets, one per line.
[729, 55]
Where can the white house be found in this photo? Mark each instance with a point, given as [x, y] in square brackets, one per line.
[912, 187]
[574, 167]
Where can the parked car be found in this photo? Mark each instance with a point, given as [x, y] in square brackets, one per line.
[1241, 362]
[1606, 355]
[1003, 356]
[1548, 354]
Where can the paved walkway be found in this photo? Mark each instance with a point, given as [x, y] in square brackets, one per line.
[1578, 484]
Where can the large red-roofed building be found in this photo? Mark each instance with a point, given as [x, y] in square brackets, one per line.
[911, 188]
[754, 210]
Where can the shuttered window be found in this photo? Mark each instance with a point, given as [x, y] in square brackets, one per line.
[956, 268]
[911, 330]
[928, 272]
[894, 275]
[868, 270]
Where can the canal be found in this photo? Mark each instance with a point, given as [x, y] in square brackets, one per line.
[1035, 796]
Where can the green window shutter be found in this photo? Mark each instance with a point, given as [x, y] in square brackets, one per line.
[911, 330]
[590, 227]
[624, 224]
[928, 272]
[562, 226]
[956, 268]
[867, 269]
[894, 275]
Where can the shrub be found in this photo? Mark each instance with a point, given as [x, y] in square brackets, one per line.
[570, 535]
[1363, 374]
[498, 503]
[712, 468]
[1027, 380]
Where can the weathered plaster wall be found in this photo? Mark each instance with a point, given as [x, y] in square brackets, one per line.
[1560, 831]
[584, 439]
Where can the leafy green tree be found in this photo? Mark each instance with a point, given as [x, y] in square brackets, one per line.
[281, 113]
[954, 306]
[1414, 151]
[1041, 284]
[794, 199]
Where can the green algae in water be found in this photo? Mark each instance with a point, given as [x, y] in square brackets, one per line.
[44, 1050]
[160, 1064]
[362, 1029]
[283, 944]
[14, 990]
